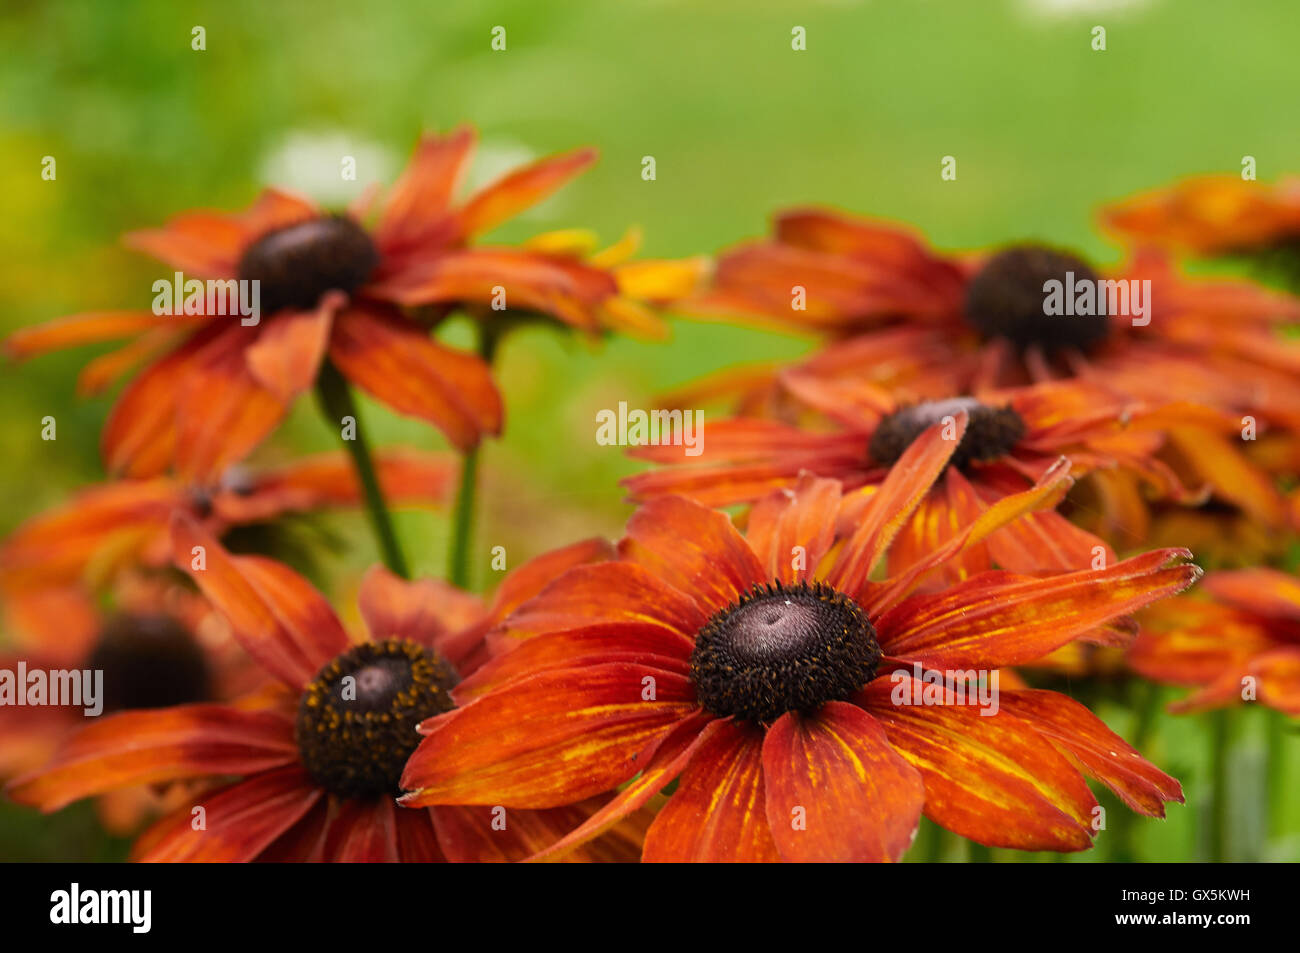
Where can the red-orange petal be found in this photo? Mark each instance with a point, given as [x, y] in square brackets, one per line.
[606, 592]
[547, 740]
[400, 365]
[695, 550]
[428, 611]
[239, 821]
[416, 207]
[836, 791]
[909, 480]
[286, 356]
[997, 619]
[483, 834]
[717, 813]
[1103, 754]
[993, 779]
[273, 612]
[792, 530]
[142, 747]
[521, 189]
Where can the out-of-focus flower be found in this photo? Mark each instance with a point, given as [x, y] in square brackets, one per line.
[1240, 640]
[774, 679]
[319, 752]
[1014, 437]
[159, 645]
[1212, 215]
[59, 557]
[925, 325]
[330, 289]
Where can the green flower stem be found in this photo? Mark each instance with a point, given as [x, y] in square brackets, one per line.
[1144, 698]
[462, 528]
[1219, 737]
[336, 403]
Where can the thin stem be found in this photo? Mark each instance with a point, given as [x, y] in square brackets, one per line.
[336, 403]
[1219, 786]
[462, 528]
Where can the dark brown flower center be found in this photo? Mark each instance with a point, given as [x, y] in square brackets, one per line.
[296, 265]
[1009, 298]
[149, 661]
[357, 719]
[991, 432]
[783, 648]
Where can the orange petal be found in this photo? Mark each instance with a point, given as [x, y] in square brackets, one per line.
[568, 290]
[416, 207]
[997, 619]
[362, 831]
[993, 779]
[909, 480]
[273, 612]
[209, 244]
[287, 354]
[521, 189]
[793, 530]
[241, 820]
[139, 437]
[90, 328]
[836, 791]
[529, 579]
[497, 835]
[717, 813]
[695, 550]
[58, 545]
[1265, 592]
[1103, 754]
[143, 747]
[401, 366]
[548, 740]
[222, 410]
[669, 760]
[606, 592]
[428, 611]
[329, 479]
[652, 645]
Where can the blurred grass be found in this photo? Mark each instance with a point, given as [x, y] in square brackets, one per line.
[1043, 129]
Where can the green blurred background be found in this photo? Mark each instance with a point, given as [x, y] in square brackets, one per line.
[1043, 129]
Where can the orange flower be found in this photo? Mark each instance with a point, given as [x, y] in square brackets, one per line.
[1015, 436]
[317, 754]
[330, 290]
[1247, 634]
[53, 559]
[926, 326]
[1211, 215]
[759, 669]
[158, 646]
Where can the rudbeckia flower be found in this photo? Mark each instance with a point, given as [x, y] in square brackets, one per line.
[316, 755]
[927, 325]
[1013, 438]
[329, 288]
[1212, 215]
[57, 557]
[1243, 640]
[157, 646]
[760, 672]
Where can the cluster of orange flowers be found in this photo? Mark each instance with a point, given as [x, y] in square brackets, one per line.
[824, 626]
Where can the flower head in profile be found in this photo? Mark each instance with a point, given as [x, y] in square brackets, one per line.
[1013, 437]
[316, 755]
[926, 325]
[331, 291]
[1238, 640]
[762, 673]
